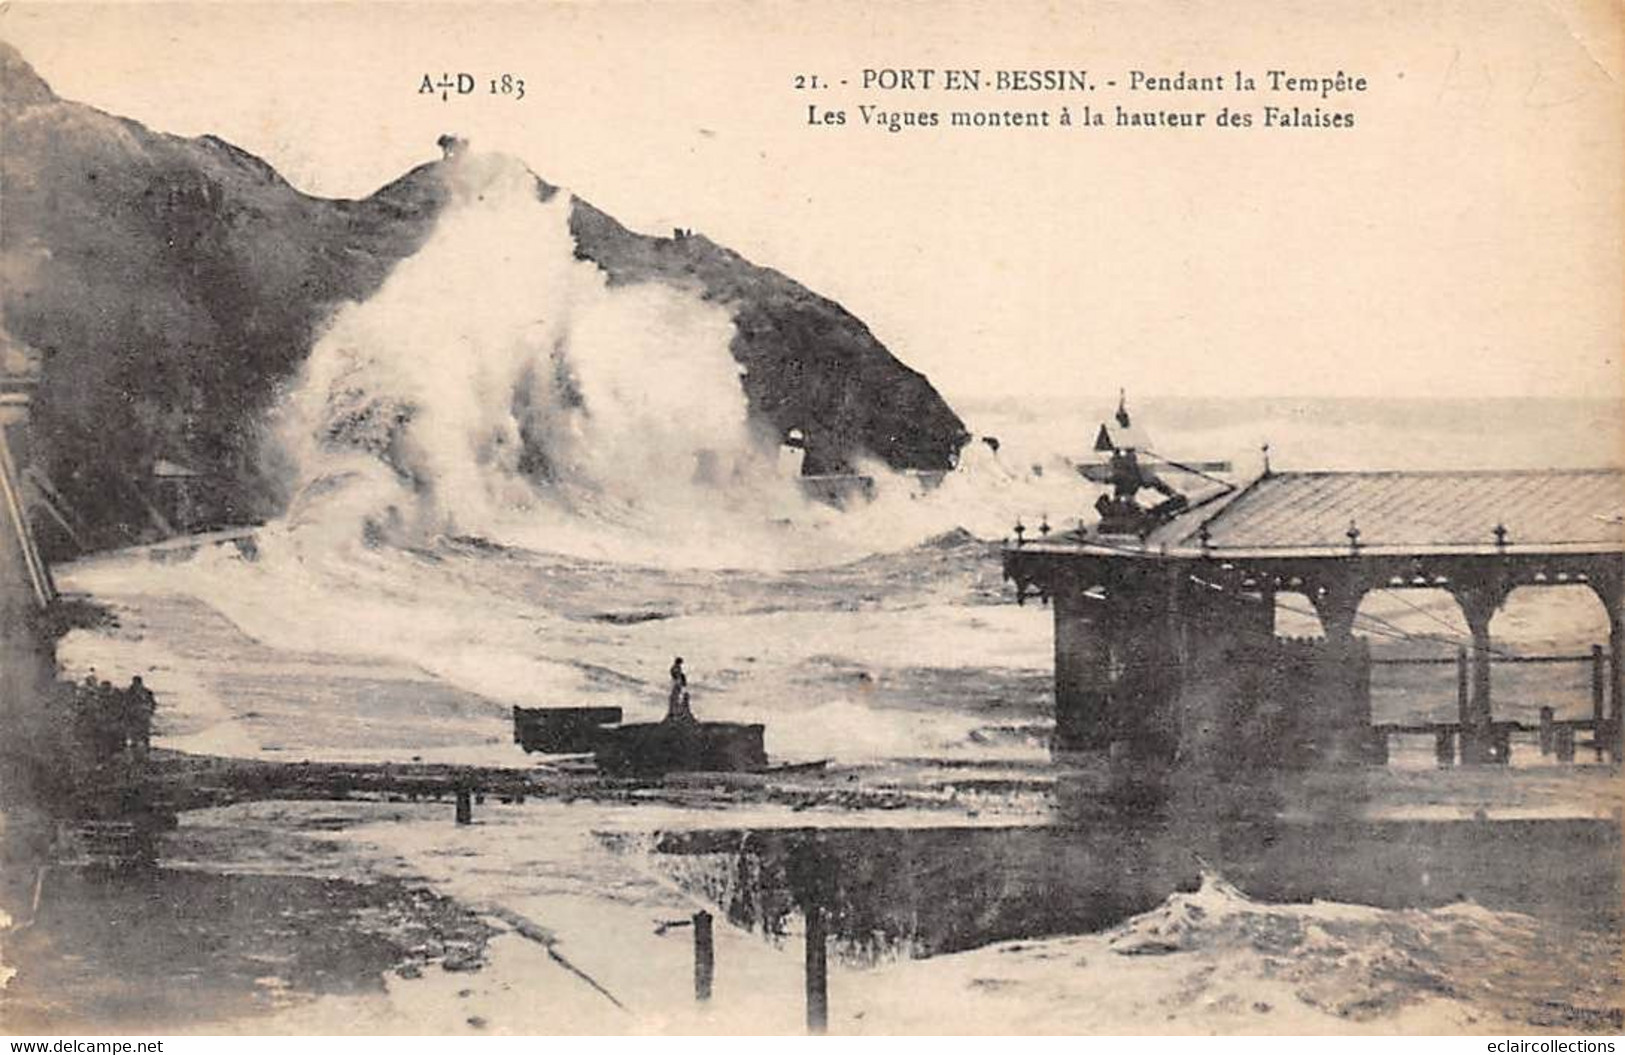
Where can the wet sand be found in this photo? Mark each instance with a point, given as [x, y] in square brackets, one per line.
[184, 949]
[577, 902]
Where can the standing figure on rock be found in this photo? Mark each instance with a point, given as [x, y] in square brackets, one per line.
[677, 706]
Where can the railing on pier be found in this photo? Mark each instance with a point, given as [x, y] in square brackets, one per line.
[1556, 736]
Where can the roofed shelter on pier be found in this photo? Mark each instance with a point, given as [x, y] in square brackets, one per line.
[1165, 641]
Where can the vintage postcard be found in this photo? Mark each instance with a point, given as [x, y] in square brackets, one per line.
[775, 517]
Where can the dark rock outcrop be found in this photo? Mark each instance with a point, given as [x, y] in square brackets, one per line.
[169, 287]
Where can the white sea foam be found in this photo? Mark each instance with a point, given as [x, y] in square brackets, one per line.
[497, 387]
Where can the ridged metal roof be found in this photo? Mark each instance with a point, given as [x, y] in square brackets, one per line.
[1414, 510]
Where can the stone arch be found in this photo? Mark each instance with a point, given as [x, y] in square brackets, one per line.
[1429, 615]
[1412, 623]
[1295, 614]
[1558, 618]
[1552, 616]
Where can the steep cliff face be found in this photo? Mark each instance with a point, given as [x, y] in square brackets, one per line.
[169, 287]
[809, 363]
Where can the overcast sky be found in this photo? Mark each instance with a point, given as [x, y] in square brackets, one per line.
[1464, 237]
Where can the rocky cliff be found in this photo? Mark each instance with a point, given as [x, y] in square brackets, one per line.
[165, 288]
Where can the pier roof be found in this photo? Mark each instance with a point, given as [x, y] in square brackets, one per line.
[1308, 513]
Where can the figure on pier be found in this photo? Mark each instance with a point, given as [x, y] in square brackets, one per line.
[1120, 514]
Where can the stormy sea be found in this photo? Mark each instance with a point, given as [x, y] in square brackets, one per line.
[518, 485]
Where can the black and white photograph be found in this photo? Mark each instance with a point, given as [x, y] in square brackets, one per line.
[762, 517]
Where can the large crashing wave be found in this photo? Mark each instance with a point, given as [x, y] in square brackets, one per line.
[497, 386]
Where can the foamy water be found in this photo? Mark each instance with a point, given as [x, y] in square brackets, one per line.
[510, 479]
[496, 386]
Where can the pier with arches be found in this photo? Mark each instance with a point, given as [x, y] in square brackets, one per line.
[1166, 637]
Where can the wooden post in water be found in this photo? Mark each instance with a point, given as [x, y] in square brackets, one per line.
[1500, 745]
[1444, 746]
[817, 971]
[1546, 732]
[1599, 683]
[1463, 707]
[704, 955]
[1563, 743]
[465, 804]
